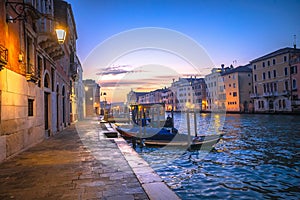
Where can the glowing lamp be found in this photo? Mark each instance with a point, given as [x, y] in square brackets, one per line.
[61, 35]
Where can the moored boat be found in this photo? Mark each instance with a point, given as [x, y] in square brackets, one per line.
[164, 137]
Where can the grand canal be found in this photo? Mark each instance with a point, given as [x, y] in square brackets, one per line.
[258, 158]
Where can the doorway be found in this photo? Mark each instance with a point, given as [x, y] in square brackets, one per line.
[46, 113]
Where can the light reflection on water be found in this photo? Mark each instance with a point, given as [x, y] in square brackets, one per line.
[258, 158]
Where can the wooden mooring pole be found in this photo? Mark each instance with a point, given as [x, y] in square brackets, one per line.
[188, 127]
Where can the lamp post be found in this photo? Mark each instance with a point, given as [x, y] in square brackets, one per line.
[105, 114]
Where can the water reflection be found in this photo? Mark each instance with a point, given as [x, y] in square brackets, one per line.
[258, 158]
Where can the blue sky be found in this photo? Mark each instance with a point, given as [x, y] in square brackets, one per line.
[228, 30]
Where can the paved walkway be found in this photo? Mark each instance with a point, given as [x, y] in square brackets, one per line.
[78, 163]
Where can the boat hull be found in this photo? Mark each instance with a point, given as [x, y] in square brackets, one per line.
[163, 137]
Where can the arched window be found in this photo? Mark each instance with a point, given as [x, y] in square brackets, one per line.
[279, 102]
[46, 81]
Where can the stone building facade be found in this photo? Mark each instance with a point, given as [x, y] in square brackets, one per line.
[238, 87]
[273, 81]
[92, 98]
[36, 72]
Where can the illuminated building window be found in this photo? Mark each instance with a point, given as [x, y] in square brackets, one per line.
[30, 107]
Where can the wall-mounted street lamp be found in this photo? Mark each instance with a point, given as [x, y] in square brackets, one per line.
[61, 35]
[21, 10]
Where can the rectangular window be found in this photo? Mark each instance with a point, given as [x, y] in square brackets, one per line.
[255, 78]
[274, 73]
[30, 107]
[268, 63]
[269, 74]
[254, 66]
[294, 84]
[274, 61]
[234, 94]
[294, 70]
[286, 85]
[263, 64]
[284, 59]
[233, 85]
[285, 71]
[264, 76]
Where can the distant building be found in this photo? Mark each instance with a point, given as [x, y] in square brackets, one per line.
[92, 98]
[79, 93]
[133, 97]
[156, 96]
[214, 86]
[189, 93]
[272, 81]
[237, 87]
[295, 82]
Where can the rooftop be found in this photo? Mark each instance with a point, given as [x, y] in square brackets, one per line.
[276, 53]
[245, 68]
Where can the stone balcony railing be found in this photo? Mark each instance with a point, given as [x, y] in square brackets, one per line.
[3, 56]
[254, 95]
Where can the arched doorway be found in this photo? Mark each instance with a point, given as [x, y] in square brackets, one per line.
[47, 100]
[246, 107]
[271, 105]
[64, 105]
[57, 108]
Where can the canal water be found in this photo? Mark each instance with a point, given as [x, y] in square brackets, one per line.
[257, 158]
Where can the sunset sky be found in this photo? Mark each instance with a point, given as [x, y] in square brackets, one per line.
[227, 31]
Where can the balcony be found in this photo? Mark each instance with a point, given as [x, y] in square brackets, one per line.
[74, 71]
[271, 94]
[296, 102]
[254, 96]
[31, 73]
[3, 56]
[48, 42]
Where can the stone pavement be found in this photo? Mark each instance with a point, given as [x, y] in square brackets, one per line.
[81, 163]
